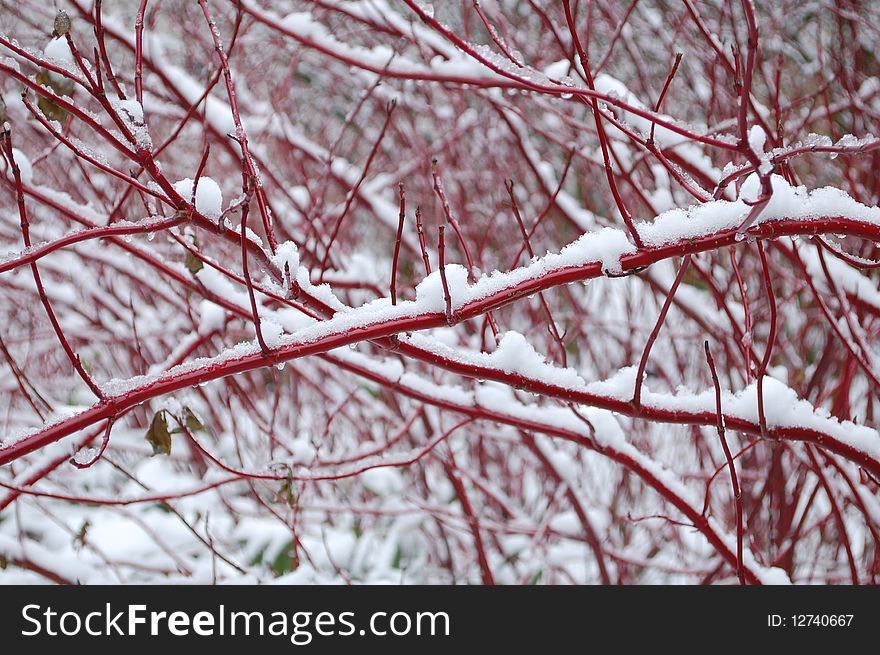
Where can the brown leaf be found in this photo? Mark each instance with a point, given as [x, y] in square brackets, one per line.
[288, 494]
[193, 263]
[158, 435]
[61, 86]
[192, 422]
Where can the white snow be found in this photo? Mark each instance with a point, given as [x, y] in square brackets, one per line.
[430, 296]
[272, 332]
[209, 197]
[384, 481]
[57, 50]
[608, 433]
[24, 166]
[757, 139]
[131, 107]
[787, 202]
[287, 254]
[211, 317]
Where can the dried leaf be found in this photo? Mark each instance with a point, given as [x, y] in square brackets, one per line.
[288, 495]
[192, 422]
[79, 539]
[158, 435]
[61, 86]
[50, 110]
[193, 263]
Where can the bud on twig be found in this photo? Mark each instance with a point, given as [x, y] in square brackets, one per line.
[62, 24]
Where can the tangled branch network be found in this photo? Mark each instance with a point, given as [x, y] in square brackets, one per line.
[478, 292]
